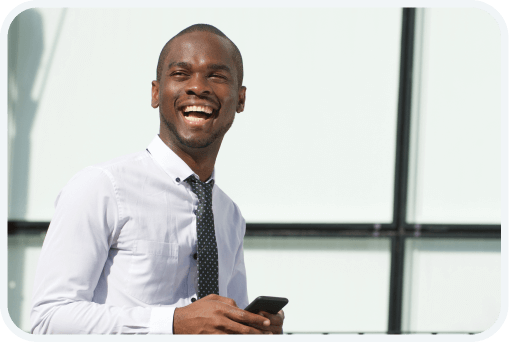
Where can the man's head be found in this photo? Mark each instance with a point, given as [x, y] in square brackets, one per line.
[237, 57]
[198, 90]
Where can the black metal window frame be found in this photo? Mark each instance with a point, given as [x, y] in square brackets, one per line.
[399, 230]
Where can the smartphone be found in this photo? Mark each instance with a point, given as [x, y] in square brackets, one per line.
[265, 303]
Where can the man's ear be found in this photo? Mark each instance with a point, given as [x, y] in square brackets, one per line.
[155, 94]
[242, 99]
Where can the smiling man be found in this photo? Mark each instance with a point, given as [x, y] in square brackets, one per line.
[148, 243]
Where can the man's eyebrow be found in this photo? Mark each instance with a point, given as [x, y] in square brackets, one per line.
[210, 66]
[180, 64]
[219, 67]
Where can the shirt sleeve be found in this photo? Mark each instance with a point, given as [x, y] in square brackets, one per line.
[237, 288]
[86, 221]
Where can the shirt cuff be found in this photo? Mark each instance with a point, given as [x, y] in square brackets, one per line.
[161, 320]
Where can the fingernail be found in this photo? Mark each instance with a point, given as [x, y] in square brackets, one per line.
[262, 315]
[266, 323]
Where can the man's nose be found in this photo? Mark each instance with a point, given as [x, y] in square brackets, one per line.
[199, 86]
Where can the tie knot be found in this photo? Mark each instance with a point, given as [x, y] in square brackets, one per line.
[201, 189]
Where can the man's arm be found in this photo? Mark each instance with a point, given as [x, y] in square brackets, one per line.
[86, 221]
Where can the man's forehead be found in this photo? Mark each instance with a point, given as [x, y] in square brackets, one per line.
[199, 42]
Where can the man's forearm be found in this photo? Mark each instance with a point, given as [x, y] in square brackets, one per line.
[91, 318]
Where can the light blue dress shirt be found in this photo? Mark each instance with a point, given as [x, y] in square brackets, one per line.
[118, 255]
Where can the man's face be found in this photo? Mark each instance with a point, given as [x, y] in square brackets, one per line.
[198, 93]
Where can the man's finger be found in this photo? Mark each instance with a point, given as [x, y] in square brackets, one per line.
[225, 300]
[276, 319]
[245, 317]
[273, 329]
[238, 328]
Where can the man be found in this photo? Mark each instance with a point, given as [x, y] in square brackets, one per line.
[122, 253]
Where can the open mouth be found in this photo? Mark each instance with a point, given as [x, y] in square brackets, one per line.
[197, 114]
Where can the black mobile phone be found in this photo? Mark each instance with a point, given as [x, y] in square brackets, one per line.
[265, 303]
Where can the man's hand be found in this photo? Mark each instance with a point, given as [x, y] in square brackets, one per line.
[214, 314]
[276, 322]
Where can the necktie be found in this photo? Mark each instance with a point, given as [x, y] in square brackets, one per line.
[207, 247]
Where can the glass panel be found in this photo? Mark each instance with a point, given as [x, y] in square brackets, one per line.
[455, 151]
[333, 284]
[315, 144]
[315, 274]
[451, 285]
[23, 255]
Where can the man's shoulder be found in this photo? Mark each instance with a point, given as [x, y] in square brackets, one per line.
[124, 162]
[109, 171]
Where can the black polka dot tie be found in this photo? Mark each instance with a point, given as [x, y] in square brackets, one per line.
[208, 268]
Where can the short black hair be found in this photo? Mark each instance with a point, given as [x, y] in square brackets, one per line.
[237, 57]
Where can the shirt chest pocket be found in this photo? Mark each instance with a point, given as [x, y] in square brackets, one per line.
[152, 271]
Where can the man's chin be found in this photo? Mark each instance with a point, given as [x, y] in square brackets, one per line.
[194, 143]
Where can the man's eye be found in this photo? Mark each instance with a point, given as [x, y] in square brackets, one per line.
[178, 73]
[218, 76]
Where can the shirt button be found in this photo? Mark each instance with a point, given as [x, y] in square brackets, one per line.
[195, 256]
[177, 180]
[193, 300]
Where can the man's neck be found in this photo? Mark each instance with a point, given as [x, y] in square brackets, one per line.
[200, 160]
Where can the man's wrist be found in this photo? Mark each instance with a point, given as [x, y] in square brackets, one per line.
[175, 313]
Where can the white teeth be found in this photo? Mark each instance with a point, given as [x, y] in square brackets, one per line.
[204, 109]
[194, 119]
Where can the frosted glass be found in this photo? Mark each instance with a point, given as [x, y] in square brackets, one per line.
[23, 255]
[455, 154]
[346, 280]
[333, 284]
[451, 285]
[316, 142]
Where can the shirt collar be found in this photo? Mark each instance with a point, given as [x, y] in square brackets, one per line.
[170, 162]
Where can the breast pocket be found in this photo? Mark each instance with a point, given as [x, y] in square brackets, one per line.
[152, 271]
